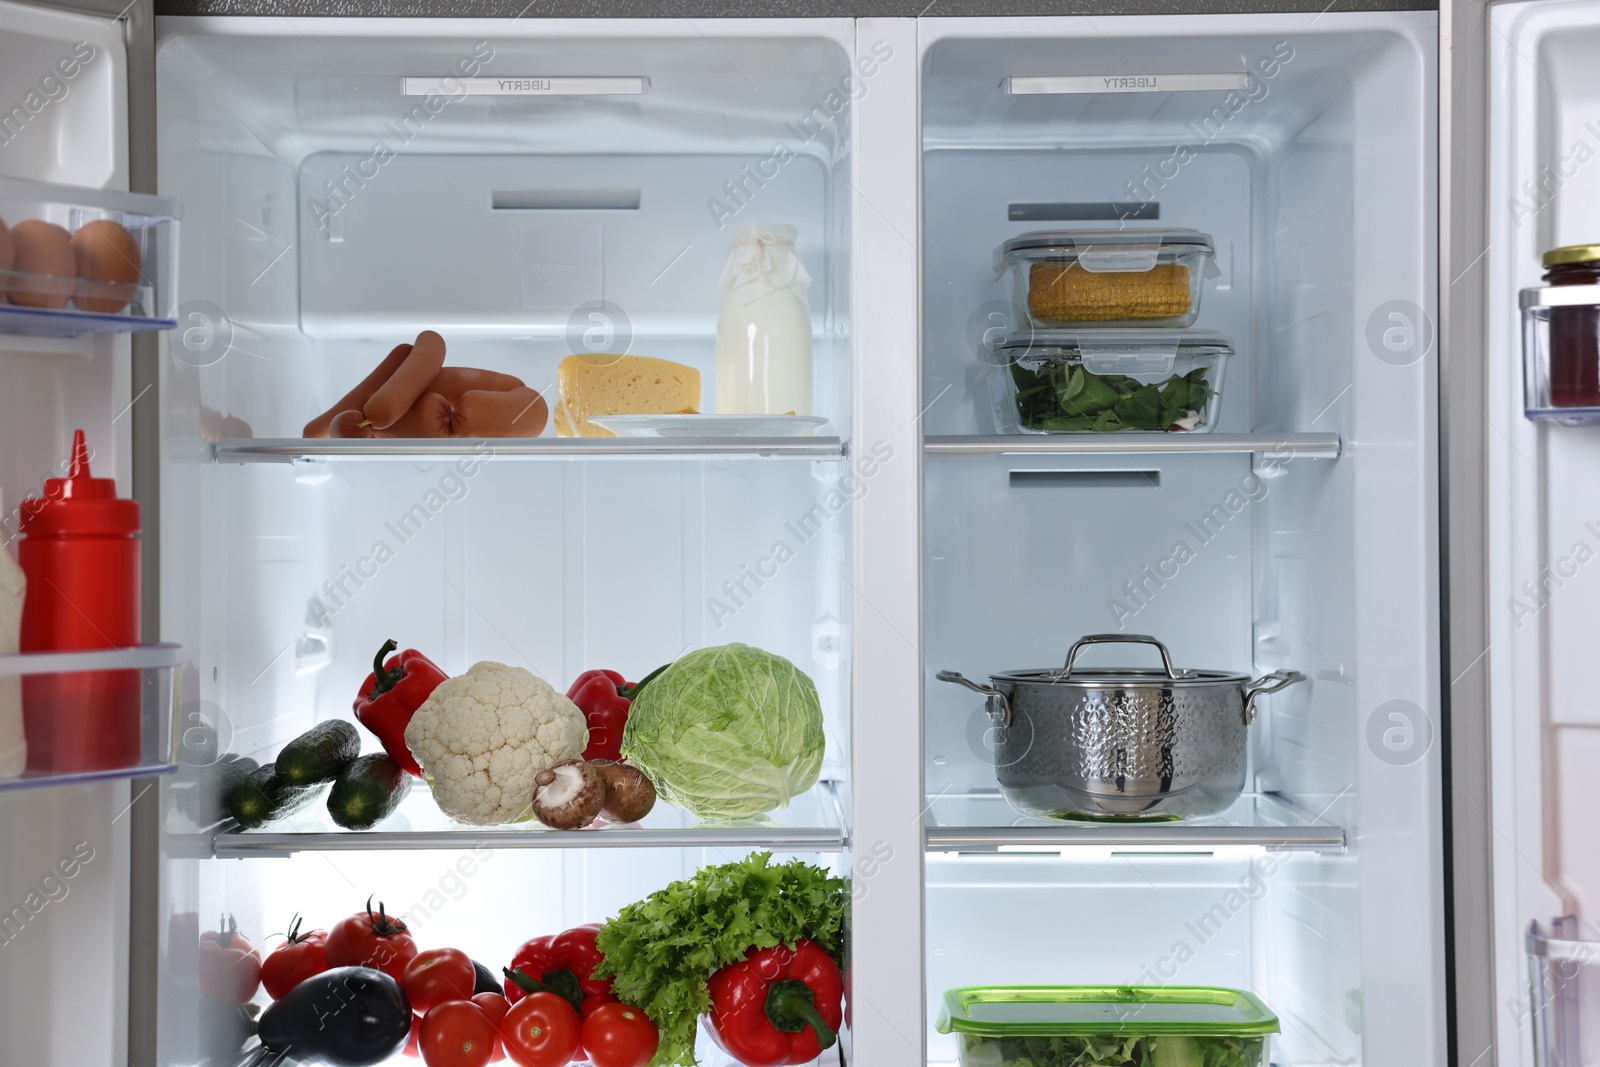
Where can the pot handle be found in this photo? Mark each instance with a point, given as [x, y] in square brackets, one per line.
[1115, 639]
[1262, 686]
[999, 705]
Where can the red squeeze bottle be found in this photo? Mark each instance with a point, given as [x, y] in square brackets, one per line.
[78, 545]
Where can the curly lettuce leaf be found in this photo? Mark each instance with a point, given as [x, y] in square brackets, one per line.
[1113, 1050]
[662, 950]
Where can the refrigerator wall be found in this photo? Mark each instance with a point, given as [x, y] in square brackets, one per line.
[1543, 596]
[1317, 184]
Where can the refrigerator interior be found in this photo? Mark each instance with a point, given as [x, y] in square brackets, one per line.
[67, 932]
[1541, 479]
[502, 222]
[1316, 182]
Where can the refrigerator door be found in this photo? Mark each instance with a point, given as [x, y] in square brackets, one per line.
[1543, 593]
[66, 72]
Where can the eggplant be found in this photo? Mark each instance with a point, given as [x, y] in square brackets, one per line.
[484, 981]
[346, 1017]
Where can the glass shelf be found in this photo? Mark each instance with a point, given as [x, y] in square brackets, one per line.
[299, 449]
[984, 822]
[1300, 445]
[143, 674]
[813, 822]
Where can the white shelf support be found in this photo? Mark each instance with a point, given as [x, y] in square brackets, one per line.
[886, 610]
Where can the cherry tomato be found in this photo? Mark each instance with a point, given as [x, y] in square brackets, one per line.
[228, 968]
[298, 958]
[457, 1034]
[540, 1030]
[619, 1035]
[438, 975]
[368, 940]
[495, 1006]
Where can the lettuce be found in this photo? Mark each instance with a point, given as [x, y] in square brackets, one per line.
[1112, 1050]
[729, 732]
[662, 950]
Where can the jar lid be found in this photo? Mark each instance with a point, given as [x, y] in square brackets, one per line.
[1172, 342]
[1157, 235]
[1568, 255]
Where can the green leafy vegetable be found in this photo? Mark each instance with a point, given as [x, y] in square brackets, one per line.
[1061, 397]
[662, 950]
[1112, 1050]
[728, 732]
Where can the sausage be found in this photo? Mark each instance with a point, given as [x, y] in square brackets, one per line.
[518, 412]
[356, 398]
[351, 424]
[409, 381]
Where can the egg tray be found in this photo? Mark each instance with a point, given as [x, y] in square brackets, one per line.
[50, 303]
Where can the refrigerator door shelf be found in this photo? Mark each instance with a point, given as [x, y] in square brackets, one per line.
[813, 822]
[1561, 324]
[984, 822]
[292, 449]
[137, 294]
[27, 676]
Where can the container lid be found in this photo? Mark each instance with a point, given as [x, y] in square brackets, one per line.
[79, 503]
[1045, 1011]
[1155, 235]
[1571, 254]
[1099, 677]
[1188, 342]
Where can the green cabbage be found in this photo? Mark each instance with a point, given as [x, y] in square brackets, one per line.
[727, 733]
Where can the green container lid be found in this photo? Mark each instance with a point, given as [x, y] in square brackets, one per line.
[1052, 1011]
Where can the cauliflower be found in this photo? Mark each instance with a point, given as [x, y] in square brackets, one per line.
[482, 737]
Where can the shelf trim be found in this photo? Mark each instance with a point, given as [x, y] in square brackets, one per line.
[293, 449]
[100, 659]
[1300, 445]
[1313, 837]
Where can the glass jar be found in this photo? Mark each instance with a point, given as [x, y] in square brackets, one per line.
[1574, 330]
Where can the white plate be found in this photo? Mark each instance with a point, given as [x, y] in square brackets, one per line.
[709, 425]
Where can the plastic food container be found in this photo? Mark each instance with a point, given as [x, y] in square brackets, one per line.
[1137, 277]
[1107, 381]
[74, 260]
[1067, 1026]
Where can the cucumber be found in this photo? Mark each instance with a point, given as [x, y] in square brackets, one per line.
[319, 754]
[367, 792]
[263, 796]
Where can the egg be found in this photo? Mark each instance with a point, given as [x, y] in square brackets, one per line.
[43, 250]
[7, 254]
[107, 262]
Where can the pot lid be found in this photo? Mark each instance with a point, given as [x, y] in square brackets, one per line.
[1129, 676]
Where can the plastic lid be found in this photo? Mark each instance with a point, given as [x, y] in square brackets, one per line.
[1571, 254]
[1045, 1011]
[1190, 342]
[79, 503]
[1080, 238]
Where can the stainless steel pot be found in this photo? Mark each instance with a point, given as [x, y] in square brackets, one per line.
[1122, 744]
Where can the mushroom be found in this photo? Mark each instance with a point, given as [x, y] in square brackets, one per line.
[569, 795]
[629, 794]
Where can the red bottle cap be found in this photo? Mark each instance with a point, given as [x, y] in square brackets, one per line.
[80, 503]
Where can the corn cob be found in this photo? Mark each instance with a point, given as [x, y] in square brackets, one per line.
[1065, 292]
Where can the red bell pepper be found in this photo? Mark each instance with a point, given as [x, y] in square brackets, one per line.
[777, 1006]
[391, 694]
[604, 699]
[561, 964]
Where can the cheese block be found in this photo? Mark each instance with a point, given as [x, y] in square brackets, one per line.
[601, 384]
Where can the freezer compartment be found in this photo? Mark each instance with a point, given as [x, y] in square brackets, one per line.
[87, 716]
[512, 194]
[74, 260]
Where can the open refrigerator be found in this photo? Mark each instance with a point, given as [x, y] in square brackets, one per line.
[334, 202]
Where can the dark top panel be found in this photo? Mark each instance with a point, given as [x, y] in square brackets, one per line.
[709, 9]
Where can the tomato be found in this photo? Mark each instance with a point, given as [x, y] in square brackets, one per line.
[457, 1034]
[540, 1030]
[368, 940]
[495, 1006]
[298, 958]
[619, 1035]
[228, 968]
[438, 975]
[413, 1047]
